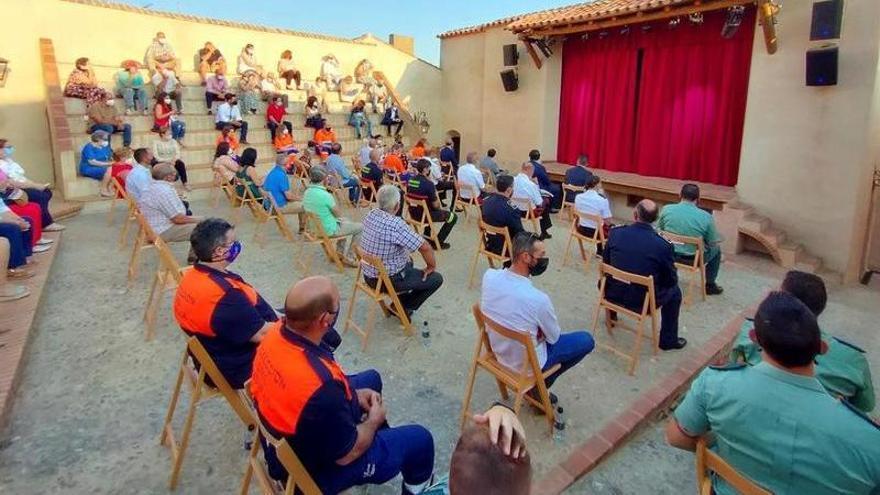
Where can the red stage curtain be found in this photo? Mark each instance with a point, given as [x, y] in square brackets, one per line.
[688, 119]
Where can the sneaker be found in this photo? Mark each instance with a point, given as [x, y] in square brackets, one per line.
[146, 112]
[714, 289]
[55, 227]
[44, 242]
[41, 248]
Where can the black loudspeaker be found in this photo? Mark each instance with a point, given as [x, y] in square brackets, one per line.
[822, 66]
[827, 17]
[510, 80]
[511, 56]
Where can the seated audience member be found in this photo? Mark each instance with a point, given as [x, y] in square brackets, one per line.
[217, 306]
[335, 423]
[228, 114]
[358, 118]
[216, 89]
[526, 189]
[141, 174]
[270, 89]
[160, 55]
[774, 422]
[468, 175]
[38, 193]
[331, 73]
[509, 298]
[283, 140]
[95, 161]
[325, 135]
[347, 90]
[841, 367]
[388, 237]
[363, 73]
[130, 85]
[247, 174]
[378, 94]
[688, 219]
[364, 152]
[83, 84]
[320, 202]
[247, 61]
[438, 178]
[18, 233]
[287, 69]
[166, 149]
[336, 166]
[448, 157]
[590, 201]
[227, 135]
[8, 292]
[211, 60]
[498, 211]
[122, 166]
[579, 176]
[418, 150]
[278, 185]
[104, 117]
[421, 187]
[16, 201]
[224, 162]
[392, 118]
[313, 114]
[489, 164]
[249, 92]
[393, 163]
[372, 173]
[544, 181]
[638, 249]
[165, 116]
[275, 112]
[162, 207]
[166, 82]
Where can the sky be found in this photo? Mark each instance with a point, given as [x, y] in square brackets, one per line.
[422, 19]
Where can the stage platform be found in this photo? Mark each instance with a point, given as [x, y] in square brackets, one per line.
[660, 189]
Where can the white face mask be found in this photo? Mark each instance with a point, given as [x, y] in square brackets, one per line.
[110, 103]
[167, 101]
[162, 41]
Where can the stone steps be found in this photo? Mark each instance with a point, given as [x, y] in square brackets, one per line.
[773, 240]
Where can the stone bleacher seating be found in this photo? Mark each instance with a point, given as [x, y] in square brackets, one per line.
[200, 133]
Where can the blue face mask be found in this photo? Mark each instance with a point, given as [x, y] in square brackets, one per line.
[234, 251]
[8, 150]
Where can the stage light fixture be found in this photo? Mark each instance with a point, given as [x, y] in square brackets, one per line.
[734, 19]
[674, 22]
[696, 18]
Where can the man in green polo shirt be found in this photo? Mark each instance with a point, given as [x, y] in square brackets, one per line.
[842, 368]
[687, 219]
[320, 202]
[774, 422]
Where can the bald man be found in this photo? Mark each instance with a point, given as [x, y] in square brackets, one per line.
[638, 249]
[162, 207]
[334, 422]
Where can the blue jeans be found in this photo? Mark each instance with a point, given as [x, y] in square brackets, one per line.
[111, 129]
[354, 191]
[358, 120]
[132, 94]
[178, 129]
[569, 350]
[20, 243]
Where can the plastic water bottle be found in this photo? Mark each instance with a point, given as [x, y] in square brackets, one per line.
[426, 334]
[559, 426]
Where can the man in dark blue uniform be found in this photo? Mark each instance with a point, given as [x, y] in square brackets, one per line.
[638, 249]
[544, 181]
[421, 187]
[373, 173]
[498, 211]
[447, 155]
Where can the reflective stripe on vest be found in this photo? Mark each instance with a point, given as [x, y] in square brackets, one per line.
[198, 294]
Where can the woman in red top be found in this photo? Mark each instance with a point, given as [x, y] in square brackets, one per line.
[163, 116]
[121, 167]
[275, 116]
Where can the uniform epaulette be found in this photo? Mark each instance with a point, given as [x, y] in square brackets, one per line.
[849, 345]
[858, 412]
[729, 366]
[510, 203]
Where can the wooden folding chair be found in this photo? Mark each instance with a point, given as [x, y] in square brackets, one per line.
[485, 230]
[570, 191]
[221, 185]
[648, 311]
[519, 381]
[489, 178]
[168, 275]
[467, 204]
[274, 213]
[525, 204]
[129, 218]
[597, 239]
[382, 291]
[245, 199]
[394, 179]
[697, 268]
[298, 479]
[421, 222]
[709, 462]
[118, 194]
[314, 233]
[367, 200]
[196, 368]
[143, 241]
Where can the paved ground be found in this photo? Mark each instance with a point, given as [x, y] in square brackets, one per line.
[93, 395]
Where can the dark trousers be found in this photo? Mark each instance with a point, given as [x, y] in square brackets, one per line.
[712, 258]
[241, 125]
[20, 243]
[399, 127]
[177, 96]
[448, 218]
[545, 221]
[289, 75]
[42, 198]
[410, 288]
[589, 232]
[273, 127]
[210, 98]
[556, 190]
[180, 167]
[669, 301]
[112, 129]
[446, 185]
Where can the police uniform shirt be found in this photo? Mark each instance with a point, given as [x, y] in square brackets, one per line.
[303, 395]
[686, 218]
[540, 174]
[783, 431]
[373, 173]
[420, 186]
[577, 176]
[224, 313]
[447, 154]
[843, 370]
[498, 211]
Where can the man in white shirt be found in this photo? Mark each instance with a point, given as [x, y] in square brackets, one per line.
[163, 209]
[509, 298]
[228, 113]
[140, 176]
[165, 81]
[526, 190]
[471, 178]
[590, 201]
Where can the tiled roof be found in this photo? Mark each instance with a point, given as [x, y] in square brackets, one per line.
[588, 11]
[210, 20]
[479, 28]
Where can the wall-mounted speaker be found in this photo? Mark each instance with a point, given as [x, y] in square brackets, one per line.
[827, 18]
[822, 66]
[510, 80]
[511, 56]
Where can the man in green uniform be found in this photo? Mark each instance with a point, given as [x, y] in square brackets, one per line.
[774, 422]
[842, 368]
[686, 218]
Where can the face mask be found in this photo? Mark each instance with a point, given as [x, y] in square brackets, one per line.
[9, 150]
[162, 41]
[234, 251]
[230, 153]
[250, 52]
[233, 103]
[110, 103]
[539, 267]
[167, 101]
[102, 144]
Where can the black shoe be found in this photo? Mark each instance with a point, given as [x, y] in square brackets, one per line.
[445, 245]
[713, 289]
[545, 235]
[554, 210]
[533, 393]
[678, 345]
